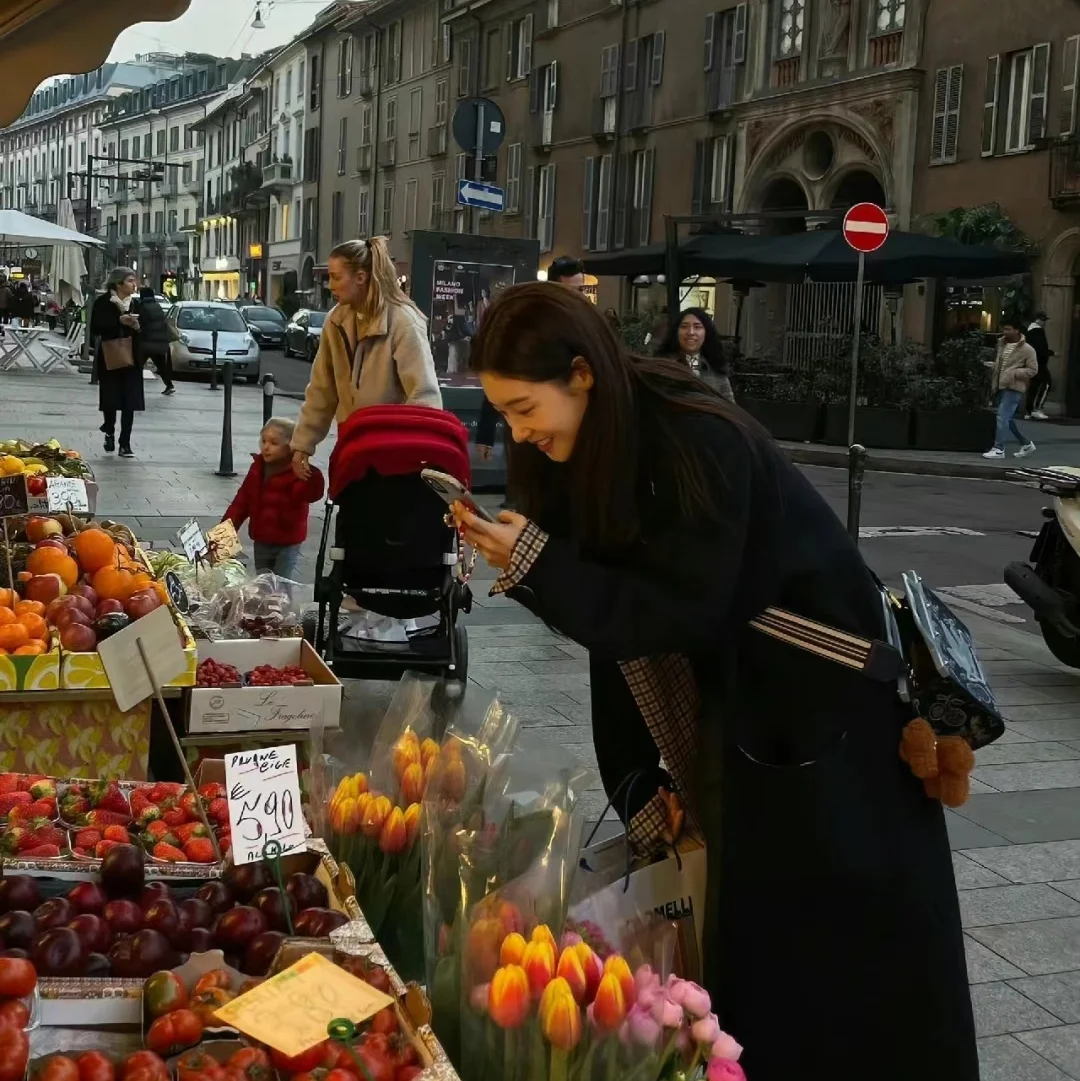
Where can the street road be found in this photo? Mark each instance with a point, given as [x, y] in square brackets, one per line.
[290, 374]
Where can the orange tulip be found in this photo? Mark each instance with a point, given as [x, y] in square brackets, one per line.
[542, 933]
[406, 751]
[508, 997]
[512, 951]
[378, 810]
[341, 812]
[571, 969]
[482, 949]
[609, 1006]
[412, 822]
[592, 966]
[429, 751]
[357, 812]
[560, 1016]
[412, 783]
[539, 964]
[453, 779]
[510, 915]
[394, 837]
[616, 966]
[431, 767]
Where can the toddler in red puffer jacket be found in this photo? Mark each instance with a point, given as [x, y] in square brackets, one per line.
[276, 501]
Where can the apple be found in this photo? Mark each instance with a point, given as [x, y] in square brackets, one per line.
[69, 614]
[37, 485]
[77, 638]
[44, 588]
[51, 609]
[107, 607]
[38, 528]
[83, 606]
[52, 542]
[141, 603]
[87, 897]
[87, 592]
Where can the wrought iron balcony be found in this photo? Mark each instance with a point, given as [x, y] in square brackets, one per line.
[638, 110]
[722, 88]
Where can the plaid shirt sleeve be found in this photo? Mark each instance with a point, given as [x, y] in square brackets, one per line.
[646, 830]
[528, 547]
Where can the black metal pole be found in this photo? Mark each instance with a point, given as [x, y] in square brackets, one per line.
[268, 396]
[213, 361]
[225, 464]
[856, 469]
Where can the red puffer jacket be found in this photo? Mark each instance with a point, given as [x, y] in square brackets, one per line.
[276, 503]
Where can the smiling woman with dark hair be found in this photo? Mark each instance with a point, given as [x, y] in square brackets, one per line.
[656, 522]
[695, 341]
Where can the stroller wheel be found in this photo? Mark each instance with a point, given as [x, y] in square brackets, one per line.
[460, 674]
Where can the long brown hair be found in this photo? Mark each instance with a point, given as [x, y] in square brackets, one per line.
[534, 332]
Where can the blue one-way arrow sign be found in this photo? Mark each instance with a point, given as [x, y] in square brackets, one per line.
[485, 196]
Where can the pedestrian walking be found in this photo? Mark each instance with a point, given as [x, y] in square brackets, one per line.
[117, 367]
[154, 338]
[695, 341]
[656, 522]
[1014, 368]
[373, 349]
[1041, 385]
[6, 301]
[276, 501]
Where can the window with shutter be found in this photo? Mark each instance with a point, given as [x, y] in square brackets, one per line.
[588, 217]
[447, 43]
[719, 180]
[1040, 78]
[534, 91]
[738, 37]
[603, 204]
[1070, 69]
[952, 113]
[546, 211]
[633, 47]
[525, 47]
[656, 72]
[622, 169]
[710, 41]
[644, 208]
[530, 201]
[937, 127]
[697, 199]
[551, 86]
[990, 105]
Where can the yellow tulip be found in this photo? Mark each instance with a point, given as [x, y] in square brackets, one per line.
[571, 969]
[394, 836]
[453, 779]
[429, 751]
[542, 933]
[616, 966]
[412, 783]
[412, 822]
[508, 997]
[560, 1016]
[512, 951]
[406, 751]
[378, 810]
[592, 966]
[609, 1006]
[341, 812]
[538, 961]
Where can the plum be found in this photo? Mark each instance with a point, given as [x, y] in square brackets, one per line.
[217, 895]
[53, 913]
[162, 916]
[260, 953]
[238, 927]
[93, 931]
[18, 930]
[59, 952]
[306, 890]
[97, 964]
[123, 871]
[153, 892]
[247, 879]
[318, 922]
[273, 902]
[87, 897]
[124, 917]
[141, 955]
[19, 892]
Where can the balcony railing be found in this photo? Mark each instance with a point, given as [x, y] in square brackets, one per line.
[786, 72]
[885, 48]
[638, 110]
[192, 183]
[723, 87]
[603, 118]
[542, 126]
[364, 155]
[389, 152]
[1065, 172]
[437, 139]
[365, 82]
[277, 174]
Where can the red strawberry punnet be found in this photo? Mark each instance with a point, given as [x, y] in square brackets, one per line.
[157, 828]
[218, 811]
[43, 788]
[86, 838]
[107, 796]
[212, 790]
[174, 816]
[41, 852]
[9, 782]
[102, 847]
[163, 790]
[199, 850]
[168, 853]
[189, 830]
[118, 834]
[13, 799]
[106, 818]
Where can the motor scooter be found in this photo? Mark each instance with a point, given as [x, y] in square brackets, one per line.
[1049, 584]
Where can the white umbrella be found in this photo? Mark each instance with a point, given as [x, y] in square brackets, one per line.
[68, 266]
[19, 228]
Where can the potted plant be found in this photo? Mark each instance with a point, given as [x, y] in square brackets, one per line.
[784, 402]
[952, 397]
[883, 398]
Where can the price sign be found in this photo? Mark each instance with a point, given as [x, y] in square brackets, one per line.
[13, 496]
[264, 801]
[65, 492]
[192, 541]
[290, 1011]
[177, 592]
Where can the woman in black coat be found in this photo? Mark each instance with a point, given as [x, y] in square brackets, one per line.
[657, 521]
[119, 390]
[153, 342]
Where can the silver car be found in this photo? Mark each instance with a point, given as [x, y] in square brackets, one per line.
[195, 322]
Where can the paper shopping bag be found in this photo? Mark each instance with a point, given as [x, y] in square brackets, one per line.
[617, 908]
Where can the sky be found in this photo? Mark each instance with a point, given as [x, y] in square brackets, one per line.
[221, 27]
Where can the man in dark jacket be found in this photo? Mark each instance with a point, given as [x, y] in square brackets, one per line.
[153, 340]
[1040, 385]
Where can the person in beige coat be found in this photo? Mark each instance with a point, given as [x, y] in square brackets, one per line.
[1014, 368]
[373, 350]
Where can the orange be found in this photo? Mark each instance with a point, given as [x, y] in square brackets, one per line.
[6, 616]
[53, 561]
[162, 592]
[94, 549]
[13, 635]
[33, 607]
[140, 580]
[113, 583]
[34, 624]
[32, 648]
[8, 597]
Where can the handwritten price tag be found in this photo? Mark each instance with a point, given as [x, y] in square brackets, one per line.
[192, 541]
[64, 492]
[290, 1011]
[13, 497]
[264, 801]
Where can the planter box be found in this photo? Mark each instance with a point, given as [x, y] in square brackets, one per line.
[954, 429]
[796, 422]
[875, 426]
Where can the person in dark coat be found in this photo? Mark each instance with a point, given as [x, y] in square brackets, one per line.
[1041, 384]
[694, 341]
[657, 520]
[119, 391]
[153, 341]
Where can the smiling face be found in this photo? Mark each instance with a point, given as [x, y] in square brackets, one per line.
[548, 415]
[348, 286]
[691, 334]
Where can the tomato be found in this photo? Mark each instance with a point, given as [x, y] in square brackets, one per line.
[311, 1059]
[18, 977]
[377, 977]
[307, 1075]
[340, 1073]
[14, 1053]
[377, 1041]
[163, 993]
[94, 1066]
[58, 1068]
[385, 1021]
[405, 1054]
[174, 1032]
[218, 977]
[377, 1063]
[250, 1060]
[14, 1012]
[207, 1002]
[147, 1061]
[196, 1064]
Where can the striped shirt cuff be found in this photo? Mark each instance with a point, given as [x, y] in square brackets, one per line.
[527, 549]
[647, 830]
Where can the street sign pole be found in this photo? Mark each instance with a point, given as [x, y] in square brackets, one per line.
[856, 335]
[478, 164]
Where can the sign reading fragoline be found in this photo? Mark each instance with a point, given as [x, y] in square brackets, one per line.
[264, 801]
[866, 227]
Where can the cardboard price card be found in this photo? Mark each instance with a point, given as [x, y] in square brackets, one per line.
[290, 1011]
[65, 492]
[192, 541]
[223, 541]
[264, 801]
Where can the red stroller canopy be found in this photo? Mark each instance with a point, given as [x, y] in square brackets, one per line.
[399, 439]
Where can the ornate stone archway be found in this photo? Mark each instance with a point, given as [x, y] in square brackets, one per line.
[1057, 295]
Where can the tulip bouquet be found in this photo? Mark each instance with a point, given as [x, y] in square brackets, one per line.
[546, 1011]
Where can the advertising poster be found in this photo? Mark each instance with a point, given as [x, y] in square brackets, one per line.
[460, 294]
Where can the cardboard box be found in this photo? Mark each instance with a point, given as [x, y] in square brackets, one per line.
[40, 673]
[249, 709]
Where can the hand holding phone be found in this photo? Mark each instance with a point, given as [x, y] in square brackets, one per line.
[453, 491]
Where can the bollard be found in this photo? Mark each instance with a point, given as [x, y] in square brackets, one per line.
[225, 464]
[213, 362]
[268, 396]
[856, 469]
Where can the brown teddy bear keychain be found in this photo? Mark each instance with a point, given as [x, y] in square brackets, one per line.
[942, 763]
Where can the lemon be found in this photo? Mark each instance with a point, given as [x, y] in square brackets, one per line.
[10, 465]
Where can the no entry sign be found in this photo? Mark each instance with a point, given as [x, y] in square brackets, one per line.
[866, 227]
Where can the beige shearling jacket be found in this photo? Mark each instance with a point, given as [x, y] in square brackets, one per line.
[1016, 371]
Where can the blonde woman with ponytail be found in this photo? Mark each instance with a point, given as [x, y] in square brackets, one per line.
[373, 351]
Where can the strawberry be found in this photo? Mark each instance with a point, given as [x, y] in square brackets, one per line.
[85, 853]
[213, 790]
[164, 790]
[218, 811]
[157, 828]
[13, 799]
[41, 789]
[189, 830]
[200, 850]
[40, 808]
[167, 853]
[174, 816]
[102, 847]
[101, 818]
[9, 782]
[28, 780]
[41, 852]
[118, 834]
[12, 840]
[139, 801]
[86, 838]
[48, 835]
[149, 814]
[108, 797]
[190, 803]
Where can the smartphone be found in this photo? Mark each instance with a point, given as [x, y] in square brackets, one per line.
[453, 491]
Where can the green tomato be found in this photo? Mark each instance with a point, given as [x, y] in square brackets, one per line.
[164, 992]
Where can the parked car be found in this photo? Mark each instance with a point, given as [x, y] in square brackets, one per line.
[267, 325]
[303, 333]
[195, 322]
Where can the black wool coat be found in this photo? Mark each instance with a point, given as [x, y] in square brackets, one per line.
[833, 944]
[121, 389]
[153, 337]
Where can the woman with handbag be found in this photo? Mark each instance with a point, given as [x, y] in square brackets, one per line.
[119, 373]
[657, 522]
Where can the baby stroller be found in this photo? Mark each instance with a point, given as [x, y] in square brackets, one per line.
[393, 552]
